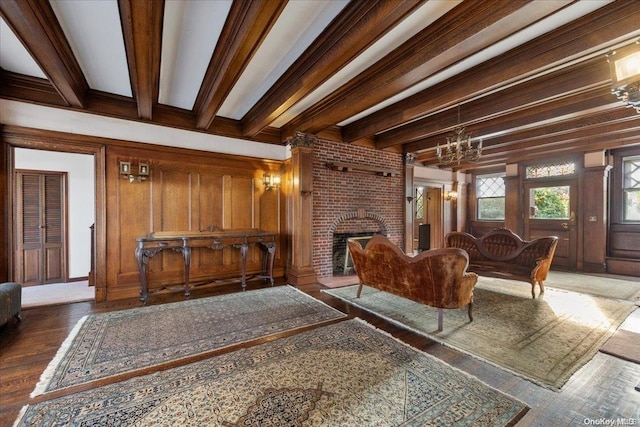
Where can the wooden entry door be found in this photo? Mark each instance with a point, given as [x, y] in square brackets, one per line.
[550, 210]
[41, 228]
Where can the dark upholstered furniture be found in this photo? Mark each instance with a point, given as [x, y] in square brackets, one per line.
[10, 301]
[437, 278]
[501, 253]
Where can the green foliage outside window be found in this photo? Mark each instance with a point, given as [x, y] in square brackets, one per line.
[551, 202]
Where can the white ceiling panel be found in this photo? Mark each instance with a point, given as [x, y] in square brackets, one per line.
[14, 57]
[298, 25]
[190, 33]
[95, 35]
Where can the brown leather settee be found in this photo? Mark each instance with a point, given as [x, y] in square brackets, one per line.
[501, 253]
[437, 278]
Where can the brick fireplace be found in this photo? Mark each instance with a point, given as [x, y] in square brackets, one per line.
[353, 203]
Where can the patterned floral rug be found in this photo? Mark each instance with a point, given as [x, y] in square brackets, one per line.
[545, 340]
[343, 374]
[109, 344]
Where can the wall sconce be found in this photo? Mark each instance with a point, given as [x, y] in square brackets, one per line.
[451, 195]
[624, 64]
[271, 181]
[126, 171]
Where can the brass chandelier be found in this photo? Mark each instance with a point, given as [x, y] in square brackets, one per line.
[459, 147]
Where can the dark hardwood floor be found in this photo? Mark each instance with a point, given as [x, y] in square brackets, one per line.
[602, 390]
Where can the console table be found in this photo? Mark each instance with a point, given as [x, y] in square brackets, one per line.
[184, 241]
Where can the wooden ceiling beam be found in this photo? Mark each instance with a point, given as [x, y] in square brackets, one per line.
[465, 30]
[593, 32]
[584, 76]
[580, 136]
[355, 29]
[599, 99]
[567, 148]
[142, 29]
[246, 27]
[35, 24]
[510, 149]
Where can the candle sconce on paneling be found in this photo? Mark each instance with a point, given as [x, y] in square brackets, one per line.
[127, 168]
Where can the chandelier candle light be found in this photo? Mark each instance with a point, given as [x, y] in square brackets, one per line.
[459, 147]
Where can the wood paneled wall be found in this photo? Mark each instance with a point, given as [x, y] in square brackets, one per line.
[187, 190]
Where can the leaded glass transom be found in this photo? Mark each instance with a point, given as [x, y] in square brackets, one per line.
[551, 169]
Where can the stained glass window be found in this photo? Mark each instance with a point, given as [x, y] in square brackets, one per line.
[551, 169]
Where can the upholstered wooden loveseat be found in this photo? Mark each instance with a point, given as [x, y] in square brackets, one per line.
[501, 253]
[437, 278]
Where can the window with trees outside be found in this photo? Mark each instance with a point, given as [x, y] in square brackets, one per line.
[631, 189]
[490, 193]
[549, 202]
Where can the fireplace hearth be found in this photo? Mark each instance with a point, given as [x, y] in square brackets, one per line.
[342, 263]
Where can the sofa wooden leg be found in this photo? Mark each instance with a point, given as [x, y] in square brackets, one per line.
[469, 311]
[440, 316]
[533, 290]
[359, 290]
[19, 317]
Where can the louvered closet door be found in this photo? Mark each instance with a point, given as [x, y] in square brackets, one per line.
[40, 254]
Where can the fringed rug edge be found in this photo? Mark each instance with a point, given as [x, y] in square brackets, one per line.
[46, 376]
[21, 415]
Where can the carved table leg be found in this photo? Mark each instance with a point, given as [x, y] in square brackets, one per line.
[267, 262]
[142, 259]
[243, 253]
[186, 255]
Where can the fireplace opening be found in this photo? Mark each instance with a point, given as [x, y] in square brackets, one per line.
[342, 262]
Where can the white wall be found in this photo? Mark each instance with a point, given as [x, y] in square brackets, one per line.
[60, 120]
[81, 199]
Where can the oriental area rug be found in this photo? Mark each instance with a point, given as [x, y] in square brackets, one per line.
[343, 374]
[544, 340]
[110, 344]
